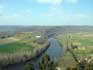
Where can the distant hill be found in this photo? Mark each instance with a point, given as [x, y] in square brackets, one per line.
[47, 29]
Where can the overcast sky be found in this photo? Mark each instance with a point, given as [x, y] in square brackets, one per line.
[46, 12]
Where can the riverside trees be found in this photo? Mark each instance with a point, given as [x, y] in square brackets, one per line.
[45, 64]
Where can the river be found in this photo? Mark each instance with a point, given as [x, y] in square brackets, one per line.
[54, 51]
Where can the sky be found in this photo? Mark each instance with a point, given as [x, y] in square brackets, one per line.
[46, 12]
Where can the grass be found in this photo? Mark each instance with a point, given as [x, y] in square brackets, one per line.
[21, 47]
[15, 52]
[14, 47]
[82, 40]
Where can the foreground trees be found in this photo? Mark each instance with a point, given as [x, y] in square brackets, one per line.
[45, 64]
[28, 67]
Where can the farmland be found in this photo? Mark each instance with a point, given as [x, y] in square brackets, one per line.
[84, 47]
[19, 47]
[22, 45]
[14, 47]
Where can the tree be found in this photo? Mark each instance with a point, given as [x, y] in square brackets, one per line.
[28, 67]
[47, 64]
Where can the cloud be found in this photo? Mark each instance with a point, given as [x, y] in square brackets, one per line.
[25, 14]
[1, 10]
[56, 2]
[72, 1]
[57, 13]
[1, 6]
[53, 12]
[81, 15]
[52, 2]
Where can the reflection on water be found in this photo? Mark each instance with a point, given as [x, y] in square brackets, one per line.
[55, 50]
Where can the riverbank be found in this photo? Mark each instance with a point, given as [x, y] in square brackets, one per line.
[53, 49]
[20, 48]
[80, 44]
[36, 55]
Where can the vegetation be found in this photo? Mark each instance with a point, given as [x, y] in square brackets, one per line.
[20, 44]
[83, 41]
[81, 45]
[45, 64]
[19, 48]
[28, 66]
[15, 47]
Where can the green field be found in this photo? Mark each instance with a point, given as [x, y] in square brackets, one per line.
[84, 42]
[80, 39]
[21, 47]
[15, 47]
